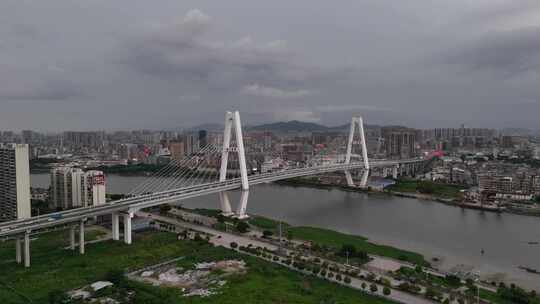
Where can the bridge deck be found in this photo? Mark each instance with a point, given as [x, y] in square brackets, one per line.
[154, 199]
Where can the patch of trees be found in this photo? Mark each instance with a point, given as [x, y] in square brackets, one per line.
[514, 294]
[350, 251]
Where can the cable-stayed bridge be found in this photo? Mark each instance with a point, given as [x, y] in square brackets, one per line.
[207, 171]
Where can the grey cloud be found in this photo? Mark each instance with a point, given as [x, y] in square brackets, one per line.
[29, 84]
[421, 63]
[277, 93]
[509, 52]
[184, 51]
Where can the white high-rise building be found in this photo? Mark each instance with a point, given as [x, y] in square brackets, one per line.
[14, 182]
[73, 188]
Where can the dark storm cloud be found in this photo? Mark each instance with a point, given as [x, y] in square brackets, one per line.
[50, 91]
[147, 64]
[184, 52]
[514, 51]
[46, 84]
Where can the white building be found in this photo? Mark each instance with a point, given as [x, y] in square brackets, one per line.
[73, 188]
[14, 182]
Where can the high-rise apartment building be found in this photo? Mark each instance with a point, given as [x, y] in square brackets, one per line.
[14, 182]
[73, 188]
[399, 142]
[191, 143]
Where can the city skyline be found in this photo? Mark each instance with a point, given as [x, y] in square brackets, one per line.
[179, 64]
[372, 151]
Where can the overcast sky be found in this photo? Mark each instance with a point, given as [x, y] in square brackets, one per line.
[102, 64]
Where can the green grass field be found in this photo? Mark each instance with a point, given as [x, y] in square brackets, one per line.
[265, 223]
[426, 187]
[54, 268]
[337, 239]
[263, 283]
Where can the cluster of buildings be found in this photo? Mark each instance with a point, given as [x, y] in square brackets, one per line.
[476, 157]
[70, 187]
[73, 188]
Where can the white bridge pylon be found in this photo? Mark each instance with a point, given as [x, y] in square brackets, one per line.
[234, 126]
[357, 121]
[232, 120]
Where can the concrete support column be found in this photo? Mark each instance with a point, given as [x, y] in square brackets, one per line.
[72, 238]
[27, 249]
[395, 172]
[127, 228]
[225, 204]
[115, 226]
[18, 253]
[241, 211]
[349, 178]
[81, 237]
[364, 181]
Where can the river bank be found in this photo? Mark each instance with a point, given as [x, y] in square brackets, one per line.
[451, 199]
[325, 244]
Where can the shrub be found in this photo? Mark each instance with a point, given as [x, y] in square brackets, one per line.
[267, 233]
[242, 227]
[373, 287]
[116, 276]
[338, 277]
[347, 280]
[453, 280]
[386, 291]
[234, 245]
[364, 285]
[514, 294]
[330, 275]
[323, 273]
[57, 297]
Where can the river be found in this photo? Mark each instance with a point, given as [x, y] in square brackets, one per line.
[454, 235]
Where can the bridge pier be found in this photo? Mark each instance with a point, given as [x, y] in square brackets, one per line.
[395, 172]
[127, 228]
[81, 237]
[349, 178]
[241, 210]
[18, 253]
[72, 238]
[364, 180]
[225, 204]
[115, 226]
[27, 249]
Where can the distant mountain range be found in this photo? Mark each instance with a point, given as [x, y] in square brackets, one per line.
[281, 127]
[293, 126]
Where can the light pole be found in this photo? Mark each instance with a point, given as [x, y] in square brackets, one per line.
[478, 287]
[347, 253]
[280, 232]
